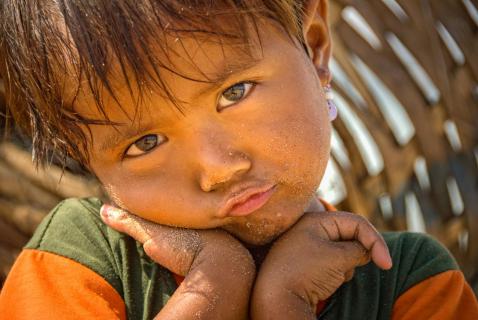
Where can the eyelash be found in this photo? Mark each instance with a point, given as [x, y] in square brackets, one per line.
[246, 93]
[159, 141]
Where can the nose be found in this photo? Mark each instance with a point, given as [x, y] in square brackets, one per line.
[220, 162]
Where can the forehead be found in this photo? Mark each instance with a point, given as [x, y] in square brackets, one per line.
[176, 70]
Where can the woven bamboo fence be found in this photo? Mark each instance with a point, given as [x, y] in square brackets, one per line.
[404, 147]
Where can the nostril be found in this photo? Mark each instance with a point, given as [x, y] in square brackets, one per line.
[209, 184]
[215, 174]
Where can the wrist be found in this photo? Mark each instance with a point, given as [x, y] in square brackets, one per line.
[226, 258]
[223, 273]
[279, 291]
[279, 302]
[212, 289]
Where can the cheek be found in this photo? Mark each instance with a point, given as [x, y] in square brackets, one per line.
[134, 193]
[298, 134]
[164, 196]
[149, 197]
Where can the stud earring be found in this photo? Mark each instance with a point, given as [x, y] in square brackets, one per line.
[329, 96]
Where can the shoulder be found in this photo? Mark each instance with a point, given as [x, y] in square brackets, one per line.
[427, 281]
[74, 229]
[416, 256]
[67, 219]
[372, 292]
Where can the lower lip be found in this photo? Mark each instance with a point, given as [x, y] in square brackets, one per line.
[252, 204]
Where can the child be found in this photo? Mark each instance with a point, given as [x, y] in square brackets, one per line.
[208, 121]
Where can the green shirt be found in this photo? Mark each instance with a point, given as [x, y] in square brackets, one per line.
[75, 230]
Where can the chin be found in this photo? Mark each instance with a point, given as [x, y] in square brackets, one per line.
[255, 236]
[266, 226]
[259, 240]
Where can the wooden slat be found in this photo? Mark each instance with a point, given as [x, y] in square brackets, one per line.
[466, 175]
[7, 257]
[60, 183]
[388, 68]
[15, 186]
[10, 236]
[24, 217]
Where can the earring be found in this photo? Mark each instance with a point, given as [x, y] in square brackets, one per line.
[329, 96]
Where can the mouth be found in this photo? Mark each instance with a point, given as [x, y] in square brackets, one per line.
[247, 201]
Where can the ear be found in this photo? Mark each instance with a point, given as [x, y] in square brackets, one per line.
[315, 31]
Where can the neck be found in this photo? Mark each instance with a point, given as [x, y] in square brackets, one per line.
[259, 253]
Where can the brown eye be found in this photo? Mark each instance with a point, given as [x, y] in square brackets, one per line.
[235, 94]
[144, 145]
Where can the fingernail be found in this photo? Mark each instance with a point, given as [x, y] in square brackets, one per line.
[111, 213]
[389, 263]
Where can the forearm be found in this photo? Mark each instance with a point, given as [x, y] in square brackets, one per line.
[213, 290]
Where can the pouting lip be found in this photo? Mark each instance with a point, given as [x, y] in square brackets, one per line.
[241, 196]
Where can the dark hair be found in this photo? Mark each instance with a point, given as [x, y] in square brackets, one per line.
[43, 43]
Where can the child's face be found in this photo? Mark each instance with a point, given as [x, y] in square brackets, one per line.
[274, 134]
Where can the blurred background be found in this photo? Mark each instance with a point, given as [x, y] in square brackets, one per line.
[404, 147]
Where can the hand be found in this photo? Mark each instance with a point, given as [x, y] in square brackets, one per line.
[311, 261]
[219, 270]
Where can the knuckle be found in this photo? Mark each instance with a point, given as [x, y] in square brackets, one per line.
[344, 214]
[330, 281]
[150, 247]
[359, 248]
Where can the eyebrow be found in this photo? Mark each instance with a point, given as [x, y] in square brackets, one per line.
[227, 72]
[117, 136]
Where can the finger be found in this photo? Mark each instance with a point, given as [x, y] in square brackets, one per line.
[173, 248]
[125, 222]
[354, 255]
[170, 256]
[348, 226]
[349, 275]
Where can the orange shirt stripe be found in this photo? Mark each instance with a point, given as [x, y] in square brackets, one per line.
[445, 296]
[58, 288]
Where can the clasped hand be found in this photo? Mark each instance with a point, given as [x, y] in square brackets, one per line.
[305, 265]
